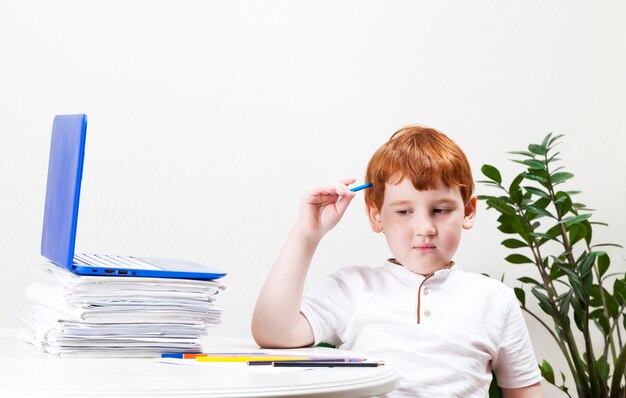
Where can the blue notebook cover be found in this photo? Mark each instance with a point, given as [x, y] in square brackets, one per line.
[65, 170]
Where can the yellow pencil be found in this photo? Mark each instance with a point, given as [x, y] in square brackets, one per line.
[250, 358]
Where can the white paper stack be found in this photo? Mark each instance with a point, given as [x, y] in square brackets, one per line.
[73, 315]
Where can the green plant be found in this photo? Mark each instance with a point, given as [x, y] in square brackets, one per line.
[554, 234]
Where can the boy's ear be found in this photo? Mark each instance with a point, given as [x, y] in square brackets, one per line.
[470, 213]
[373, 214]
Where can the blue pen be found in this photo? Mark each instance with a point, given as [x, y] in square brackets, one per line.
[360, 187]
[178, 355]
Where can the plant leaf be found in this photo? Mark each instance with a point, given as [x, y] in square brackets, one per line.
[604, 261]
[603, 369]
[554, 232]
[547, 372]
[489, 183]
[538, 192]
[543, 237]
[529, 280]
[587, 280]
[485, 197]
[538, 211]
[546, 140]
[523, 153]
[587, 225]
[608, 244]
[532, 163]
[514, 188]
[553, 139]
[501, 205]
[600, 320]
[575, 220]
[553, 158]
[575, 283]
[619, 291]
[563, 203]
[579, 314]
[544, 302]
[513, 243]
[586, 262]
[558, 178]
[542, 203]
[492, 173]
[577, 232]
[595, 300]
[618, 372]
[535, 177]
[521, 295]
[565, 305]
[518, 259]
[537, 149]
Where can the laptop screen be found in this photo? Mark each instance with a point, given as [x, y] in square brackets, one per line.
[65, 169]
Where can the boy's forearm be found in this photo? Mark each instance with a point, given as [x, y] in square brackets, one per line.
[277, 321]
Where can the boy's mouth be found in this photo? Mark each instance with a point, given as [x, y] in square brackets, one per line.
[425, 248]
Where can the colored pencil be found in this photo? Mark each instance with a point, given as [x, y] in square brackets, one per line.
[267, 362]
[360, 187]
[249, 358]
[324, 364]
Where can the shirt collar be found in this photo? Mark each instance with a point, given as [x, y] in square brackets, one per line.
[405, 273]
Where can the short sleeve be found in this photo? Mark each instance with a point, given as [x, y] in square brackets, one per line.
[515, 364]
[327, 307]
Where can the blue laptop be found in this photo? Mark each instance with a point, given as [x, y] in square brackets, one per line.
[65, 170]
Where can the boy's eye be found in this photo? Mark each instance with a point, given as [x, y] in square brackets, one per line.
[402, 212]
[440, 210]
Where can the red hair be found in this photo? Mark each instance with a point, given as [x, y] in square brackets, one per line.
[424, 156]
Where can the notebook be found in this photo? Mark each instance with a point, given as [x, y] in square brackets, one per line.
[65, 169]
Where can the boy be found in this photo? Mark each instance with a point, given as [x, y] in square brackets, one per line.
[445, 330]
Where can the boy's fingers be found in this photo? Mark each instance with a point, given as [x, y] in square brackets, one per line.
[348, 181]
[331, 192]
[338, 188]
[343, 203]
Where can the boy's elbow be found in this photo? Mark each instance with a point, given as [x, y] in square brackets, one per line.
[263, 336]
[265, 342]
[267, 339]
[271, 338]
[259, 336]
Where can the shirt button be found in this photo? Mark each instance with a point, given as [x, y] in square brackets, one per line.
[426, 291]
[427, 312]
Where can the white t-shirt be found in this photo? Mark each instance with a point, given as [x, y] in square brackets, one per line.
[467, 326]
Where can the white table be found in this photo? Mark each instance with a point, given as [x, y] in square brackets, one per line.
[27, 372]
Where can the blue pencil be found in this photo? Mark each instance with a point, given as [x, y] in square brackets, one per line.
[360, 187]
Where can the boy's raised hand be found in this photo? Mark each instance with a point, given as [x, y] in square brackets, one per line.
[322, 207]
[277, 321]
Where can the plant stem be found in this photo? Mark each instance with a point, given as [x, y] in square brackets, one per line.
[572, 356]
[554, 336]
[559, 343]
[605, 311]
[591, 361]
[619, 334]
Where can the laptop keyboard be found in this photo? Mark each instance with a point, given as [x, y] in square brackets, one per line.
[110, 261]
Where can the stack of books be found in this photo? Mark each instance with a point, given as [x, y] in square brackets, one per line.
[72, 315]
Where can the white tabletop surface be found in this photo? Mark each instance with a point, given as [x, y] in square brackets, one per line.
[27, 372]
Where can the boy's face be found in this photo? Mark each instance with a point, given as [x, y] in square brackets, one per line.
[422, 228]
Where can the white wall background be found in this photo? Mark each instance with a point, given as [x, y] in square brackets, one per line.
[208, 120]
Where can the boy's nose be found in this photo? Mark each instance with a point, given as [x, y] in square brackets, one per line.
[425, 227]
